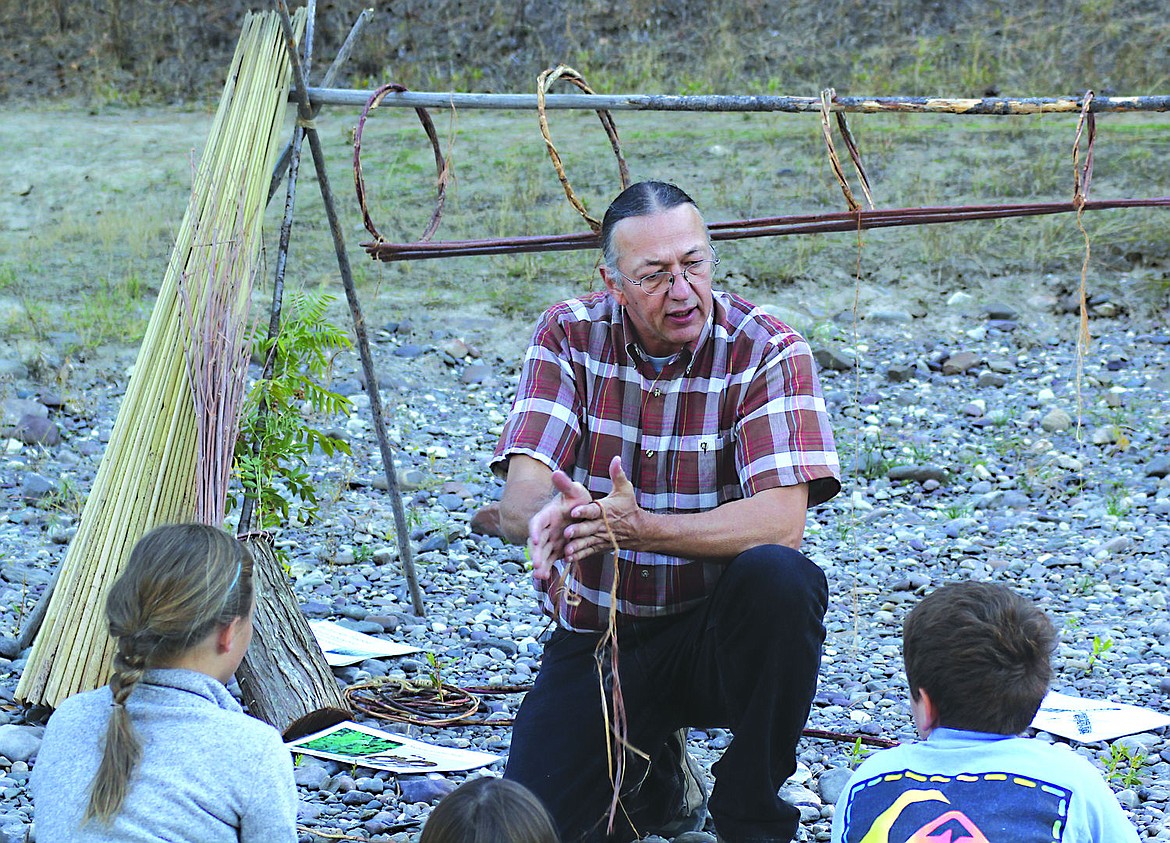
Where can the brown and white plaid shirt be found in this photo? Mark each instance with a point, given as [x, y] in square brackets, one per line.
[739, 413]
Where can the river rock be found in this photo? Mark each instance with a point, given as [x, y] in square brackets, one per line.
[424, 789]
[960, 362]
[1056, 420]
[19, 743]
[1158, 466]
[35, 430]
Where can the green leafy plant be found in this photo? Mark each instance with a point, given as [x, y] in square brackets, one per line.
[435, 673]
[857, 753]
[1116, 503]
[363, 553]
[958, 510]
[276, 437]
[1101, 646]
[1124, 765]
[66, 498]
[872, 460]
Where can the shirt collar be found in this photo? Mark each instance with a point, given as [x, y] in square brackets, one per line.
[193, 682]
[944, 734]
[690, 351]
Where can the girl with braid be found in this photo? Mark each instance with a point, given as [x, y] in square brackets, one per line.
[164, 752]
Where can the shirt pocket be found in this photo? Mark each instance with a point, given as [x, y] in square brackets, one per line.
[705, 462]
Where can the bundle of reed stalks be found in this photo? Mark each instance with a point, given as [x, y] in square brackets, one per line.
[148, 473]
[216, 303]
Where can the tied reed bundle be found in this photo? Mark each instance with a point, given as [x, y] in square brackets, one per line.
[217, 349]
[147, 474]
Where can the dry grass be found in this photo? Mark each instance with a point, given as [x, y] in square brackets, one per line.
[156, 50]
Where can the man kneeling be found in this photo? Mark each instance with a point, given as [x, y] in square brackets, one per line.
[686, 427]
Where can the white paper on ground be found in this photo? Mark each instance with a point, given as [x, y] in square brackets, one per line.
[365, 746]
[344, 646]
[1094, 720]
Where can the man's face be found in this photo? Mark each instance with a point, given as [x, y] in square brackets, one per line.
[666, 240]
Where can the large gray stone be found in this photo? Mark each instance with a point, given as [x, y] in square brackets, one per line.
[961, 361]
[35, 487]
[20, 743]
[1158, 466]
[35, 430]
[1056, 421]
[832, 782]
[476, 373]
[311, 776]
[424, 789]
[12, 410]
[917, 473]
[12, 369]
[835, 359]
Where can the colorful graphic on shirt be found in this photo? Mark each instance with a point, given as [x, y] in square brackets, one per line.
[910, 807]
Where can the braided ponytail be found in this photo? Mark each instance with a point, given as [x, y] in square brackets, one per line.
[181, 583]
[123, 751]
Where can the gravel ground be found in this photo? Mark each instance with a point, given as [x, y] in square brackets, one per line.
[964, 459]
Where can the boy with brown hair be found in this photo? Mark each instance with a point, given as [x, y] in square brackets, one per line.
[978, 663]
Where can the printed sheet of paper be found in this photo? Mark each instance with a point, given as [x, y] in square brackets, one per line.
[1094, 720]
[354, 743]
[344, 646]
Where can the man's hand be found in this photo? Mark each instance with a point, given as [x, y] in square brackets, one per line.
[570, 526]
[548, 529]
[588, 534]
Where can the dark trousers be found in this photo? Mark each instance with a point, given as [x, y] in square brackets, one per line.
[746, 659]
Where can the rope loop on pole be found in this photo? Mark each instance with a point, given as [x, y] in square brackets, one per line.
[359, 182]
[544, 82]
[1083, 173]
[1082, 177]
[828, 95]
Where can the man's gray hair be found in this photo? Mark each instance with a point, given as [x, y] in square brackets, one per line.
[638, 200]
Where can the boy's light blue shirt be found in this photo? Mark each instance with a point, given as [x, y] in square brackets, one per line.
[979, 786]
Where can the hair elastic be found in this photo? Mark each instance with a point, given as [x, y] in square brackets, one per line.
[236, 578]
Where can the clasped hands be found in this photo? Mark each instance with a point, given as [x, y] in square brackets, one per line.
[571, 526]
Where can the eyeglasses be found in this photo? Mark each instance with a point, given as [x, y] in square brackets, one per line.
[696, 272]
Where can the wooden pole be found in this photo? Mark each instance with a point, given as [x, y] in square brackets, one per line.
[305, 112]
[331, 74]
[990, 106]
[284, 676]
[293, 166]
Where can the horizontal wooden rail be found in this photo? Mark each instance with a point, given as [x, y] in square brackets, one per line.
[763, 227]
[713, 102]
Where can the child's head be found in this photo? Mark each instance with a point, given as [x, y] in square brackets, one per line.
[489, 810]
[977, 658]
[182, 583]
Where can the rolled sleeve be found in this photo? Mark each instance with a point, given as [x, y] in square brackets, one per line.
[545, 421]
[783, 436]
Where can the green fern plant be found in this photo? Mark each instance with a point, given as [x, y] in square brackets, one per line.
[276, 436]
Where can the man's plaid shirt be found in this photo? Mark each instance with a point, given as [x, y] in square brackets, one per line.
[739, 413]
